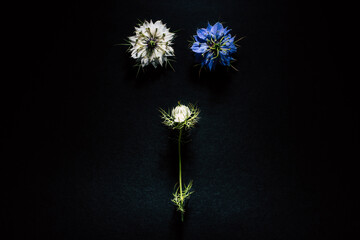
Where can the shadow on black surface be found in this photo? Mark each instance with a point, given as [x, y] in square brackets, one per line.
[216, 81]
[176, 225]
[143, 76]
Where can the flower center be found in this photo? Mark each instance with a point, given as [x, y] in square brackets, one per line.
[215, 47]
[151, 43]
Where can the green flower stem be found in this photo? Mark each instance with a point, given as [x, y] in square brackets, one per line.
[180, 184]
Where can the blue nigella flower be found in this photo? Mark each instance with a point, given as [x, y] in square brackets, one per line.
[213, 45]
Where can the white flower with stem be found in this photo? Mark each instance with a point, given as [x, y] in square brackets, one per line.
[181, 118]
[151, 44]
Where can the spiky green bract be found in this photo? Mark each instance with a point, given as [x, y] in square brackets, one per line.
[189, 122]
[179, 198]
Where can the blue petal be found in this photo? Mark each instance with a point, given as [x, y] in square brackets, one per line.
[222, 32]
[216, 28]
[209, 27]
[226, 31]
[232, 48]
[207, 57]
[199, 47]
[209, 60]
[210, 65]
[198, 39]
[225, 59]
[223, 52]
[202, 33]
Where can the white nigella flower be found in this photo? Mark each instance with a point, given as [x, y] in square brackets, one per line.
[181, 117]
[152, 44]
[180, 113]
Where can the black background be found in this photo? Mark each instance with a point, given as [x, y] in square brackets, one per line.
[272, 157]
